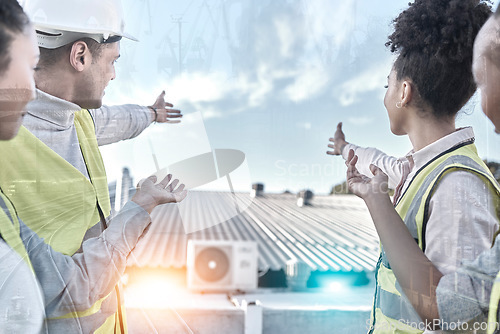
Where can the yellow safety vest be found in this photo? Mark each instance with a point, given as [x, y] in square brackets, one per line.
[392, 312]
[493, 324]
[57, 201]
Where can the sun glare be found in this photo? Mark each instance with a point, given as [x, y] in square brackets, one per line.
[153, 292]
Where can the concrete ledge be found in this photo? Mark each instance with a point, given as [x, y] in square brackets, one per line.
[275, 321]
[315, 321]
[200, 321]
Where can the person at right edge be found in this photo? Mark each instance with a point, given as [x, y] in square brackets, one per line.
[446, 199]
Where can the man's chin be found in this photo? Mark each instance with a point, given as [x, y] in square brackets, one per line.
[89, 104]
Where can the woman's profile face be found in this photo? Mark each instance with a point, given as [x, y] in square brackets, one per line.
[17, 86]
[394, 109]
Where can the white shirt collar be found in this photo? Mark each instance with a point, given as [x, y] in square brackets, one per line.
[426, 154]
[53, 109]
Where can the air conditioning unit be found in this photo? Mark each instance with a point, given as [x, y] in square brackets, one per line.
[217, 265]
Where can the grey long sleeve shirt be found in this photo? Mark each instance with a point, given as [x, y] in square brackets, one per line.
[75, 283]
[51, 120]
[464, 295]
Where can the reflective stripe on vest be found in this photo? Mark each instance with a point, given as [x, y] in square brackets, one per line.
[56, 200]
[10, 230]
[392, 312]
[494, 306]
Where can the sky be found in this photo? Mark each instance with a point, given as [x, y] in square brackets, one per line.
[270, 78]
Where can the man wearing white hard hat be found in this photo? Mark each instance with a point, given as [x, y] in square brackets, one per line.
[58, 160]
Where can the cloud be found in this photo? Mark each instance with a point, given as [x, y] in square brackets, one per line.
[279, 52]
[374, 78]
[327, 18]
[257, 86]
[308, 82]
[360, 120]
[199, 87]
[304, 125]
[286, 36]
[211, 113]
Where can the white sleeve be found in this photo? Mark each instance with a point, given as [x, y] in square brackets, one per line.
[462, 220]
[116, 123]
[390, 165]
[21, 303]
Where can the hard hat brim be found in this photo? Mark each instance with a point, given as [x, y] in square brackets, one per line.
[55, 37]
[128, 36]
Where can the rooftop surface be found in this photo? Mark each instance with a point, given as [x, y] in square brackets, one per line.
[333, 233]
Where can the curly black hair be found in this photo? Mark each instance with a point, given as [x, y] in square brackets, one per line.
[12, 20]
[434, 41]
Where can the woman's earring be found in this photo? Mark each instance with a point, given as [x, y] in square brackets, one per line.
[399, 105]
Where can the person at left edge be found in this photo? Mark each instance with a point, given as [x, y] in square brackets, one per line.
[57, 159]
[21, 301]
[22, 253]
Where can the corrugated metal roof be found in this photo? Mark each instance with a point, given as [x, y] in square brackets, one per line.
[334, 233]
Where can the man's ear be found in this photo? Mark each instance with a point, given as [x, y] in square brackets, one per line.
[406, 92]
[80, 56]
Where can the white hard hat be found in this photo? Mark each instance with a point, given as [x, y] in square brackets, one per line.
[60, 22]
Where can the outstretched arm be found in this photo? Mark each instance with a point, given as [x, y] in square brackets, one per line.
[163, 112]
[415, 273]
[75, 283]
[390, 165]
[116, 123]
[338, 142]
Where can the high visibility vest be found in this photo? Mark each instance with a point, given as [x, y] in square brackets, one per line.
[57, 201]
[392, 312]
[493, 325]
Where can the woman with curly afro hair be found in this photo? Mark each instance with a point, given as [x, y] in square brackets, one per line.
[444, 209]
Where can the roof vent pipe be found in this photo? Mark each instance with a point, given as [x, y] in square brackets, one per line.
[257, 190]
[304, 197]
